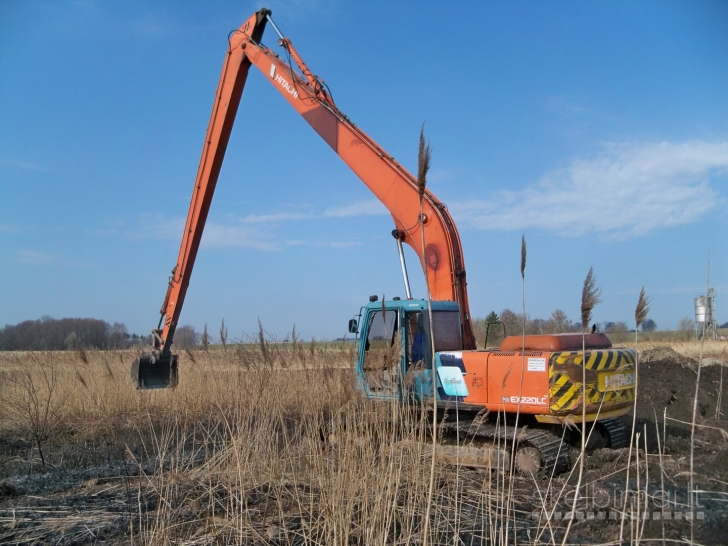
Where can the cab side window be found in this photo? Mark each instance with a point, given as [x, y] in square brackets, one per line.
[415, 340]
[382, 352]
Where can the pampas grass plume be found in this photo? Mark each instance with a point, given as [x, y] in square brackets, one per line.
[590, 297]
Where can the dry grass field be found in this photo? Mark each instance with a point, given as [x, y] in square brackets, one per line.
[273, 444]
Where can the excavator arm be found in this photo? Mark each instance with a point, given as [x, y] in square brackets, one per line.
[391, 183]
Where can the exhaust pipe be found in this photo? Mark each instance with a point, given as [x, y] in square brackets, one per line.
[152, 370]
[399, 235]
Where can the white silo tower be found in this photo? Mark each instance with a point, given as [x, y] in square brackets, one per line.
[705, 321]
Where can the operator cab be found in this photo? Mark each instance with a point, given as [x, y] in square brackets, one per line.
[395, 348]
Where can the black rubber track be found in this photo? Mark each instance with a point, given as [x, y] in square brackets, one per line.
[554, 453]
[617, 431]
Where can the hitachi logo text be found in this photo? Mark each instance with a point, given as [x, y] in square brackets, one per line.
[287, 86]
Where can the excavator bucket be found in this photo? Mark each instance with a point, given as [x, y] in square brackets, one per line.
[150, 372]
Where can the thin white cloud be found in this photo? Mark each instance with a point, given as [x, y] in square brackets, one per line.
[247, 232]
[342, 244]
[627, 190]
[22, 164]
[33, 257]
[256, 231]
[327, 244]
[161, 226]
[219, 235]
[146, 226]
[271, 218]
[231, 232]
[439, 175]
[371, 207]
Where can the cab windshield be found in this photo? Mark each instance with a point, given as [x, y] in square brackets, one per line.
[446, 327]
[447, 333]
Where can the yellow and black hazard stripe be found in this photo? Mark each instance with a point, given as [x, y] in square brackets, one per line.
[603, 359]
[565, 393]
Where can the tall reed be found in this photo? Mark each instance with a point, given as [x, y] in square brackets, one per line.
[590, 297]
[423, 166]
[640, 312]
[691, 486]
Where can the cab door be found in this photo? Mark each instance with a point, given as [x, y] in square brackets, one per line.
[417, 383]
[382, 354]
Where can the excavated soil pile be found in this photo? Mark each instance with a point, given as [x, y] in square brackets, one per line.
[667, 381]
[667, 384]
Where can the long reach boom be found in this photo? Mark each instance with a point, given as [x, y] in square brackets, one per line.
[442, 260]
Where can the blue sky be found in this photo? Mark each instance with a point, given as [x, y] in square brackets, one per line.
[597, 129]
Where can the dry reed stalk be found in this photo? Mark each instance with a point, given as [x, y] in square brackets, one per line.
[691, 492]
[719, 397]
[647, 483]
[662, 478]
[296, 454]
[635, 539]
[523, 366]
[640, 312]
[590, 297]
[424, 157]
[629, 466]
[543, 511]
[223, 334]
[205, 339]
[423, 166]
[550, 486]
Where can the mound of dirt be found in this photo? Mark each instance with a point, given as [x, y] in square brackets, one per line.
[667, 380]
[662, 353]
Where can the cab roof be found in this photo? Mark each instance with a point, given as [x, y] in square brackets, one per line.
[414, 305]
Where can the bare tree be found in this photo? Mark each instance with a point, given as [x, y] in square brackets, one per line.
[40, 406]
[687, 327]
[617, 328]
[118, 336]
[186, 337]
[558, 322]
[649, 325]
[512, 321]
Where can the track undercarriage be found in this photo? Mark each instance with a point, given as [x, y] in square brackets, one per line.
[538, 450]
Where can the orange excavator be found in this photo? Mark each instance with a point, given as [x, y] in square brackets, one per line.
[540, 378]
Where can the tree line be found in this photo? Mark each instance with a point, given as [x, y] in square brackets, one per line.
[52, 334]
[557, 323]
